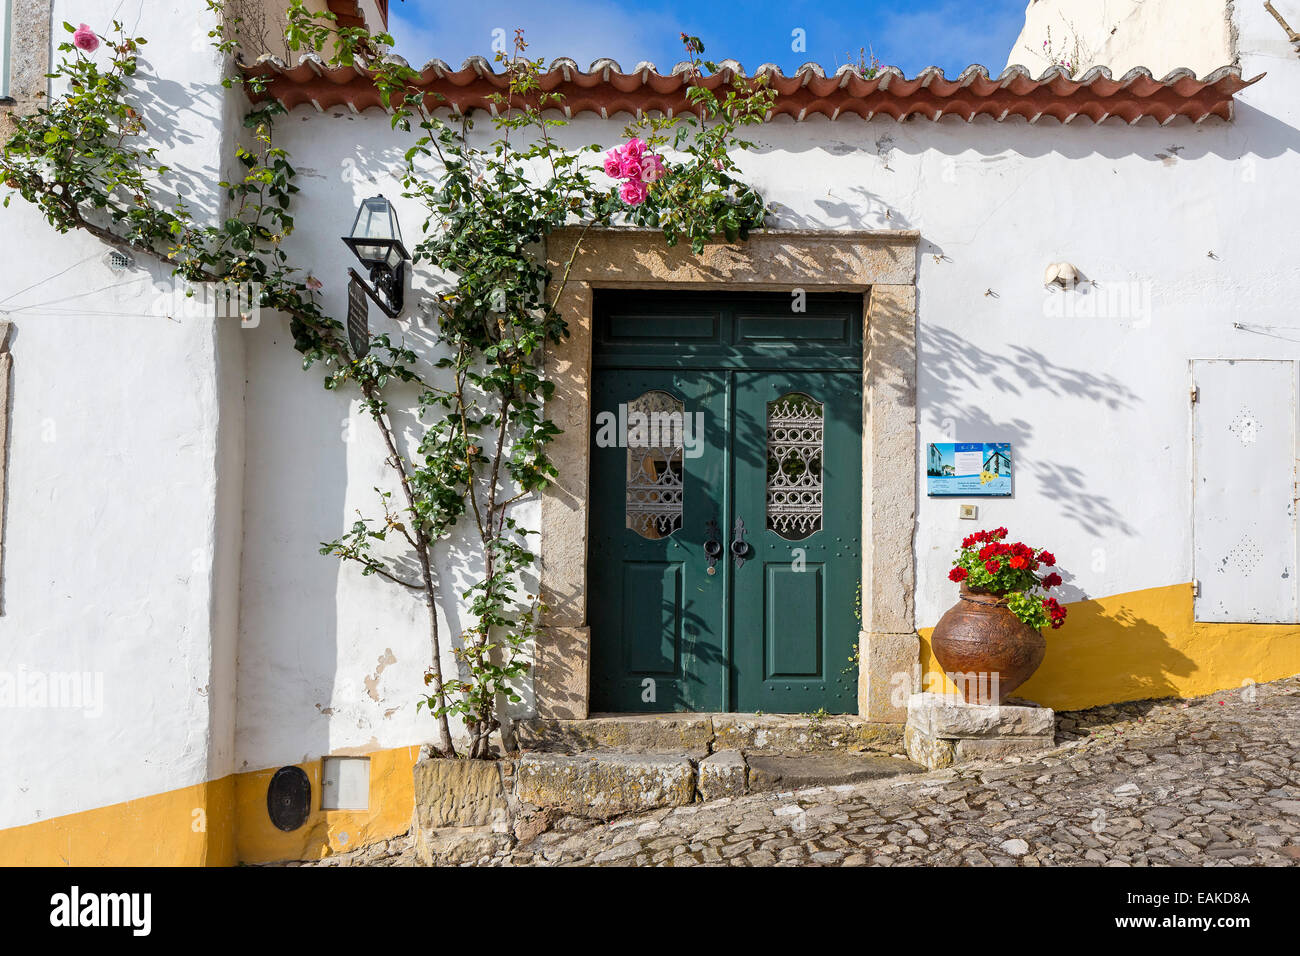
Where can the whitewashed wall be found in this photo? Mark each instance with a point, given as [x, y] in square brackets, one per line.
[193, 469]
[1095, 403]
[1162, 35]
[122, 536]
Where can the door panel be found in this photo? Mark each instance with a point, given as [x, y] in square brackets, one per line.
[1244, 523]
[793, 621]
[656, 613]
[798, 481]
[652, 616]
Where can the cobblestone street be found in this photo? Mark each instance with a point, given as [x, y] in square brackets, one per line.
[1206, 782]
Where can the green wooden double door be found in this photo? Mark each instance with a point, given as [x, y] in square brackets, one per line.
[726, 498]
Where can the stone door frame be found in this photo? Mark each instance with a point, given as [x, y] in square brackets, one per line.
[879, 265]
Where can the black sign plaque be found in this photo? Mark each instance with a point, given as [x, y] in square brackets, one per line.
[358, 318]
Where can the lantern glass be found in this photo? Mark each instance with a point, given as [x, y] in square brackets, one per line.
[376, 219]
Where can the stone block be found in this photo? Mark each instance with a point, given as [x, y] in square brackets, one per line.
[967, 749]
[451, 846]
[943, 730]
[943, 715]
[889, 670]
[561, 672]
[602, 786]
[932, 752]
[459, 793]
[723, 774]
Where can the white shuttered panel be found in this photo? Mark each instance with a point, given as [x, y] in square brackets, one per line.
[1244, 523]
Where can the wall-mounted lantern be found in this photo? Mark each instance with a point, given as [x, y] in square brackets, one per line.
[376, 240]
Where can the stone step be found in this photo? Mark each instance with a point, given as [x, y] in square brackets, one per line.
[604, 785]
[799, 772]
[707, 733]
[466, 810]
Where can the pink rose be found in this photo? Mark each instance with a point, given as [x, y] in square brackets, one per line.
[633, 192]
[630, 168]
[652, 169]
[634, 147]
[84, 38]
[614, 163]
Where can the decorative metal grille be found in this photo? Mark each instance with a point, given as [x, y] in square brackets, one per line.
[794, 466]
[655, 441]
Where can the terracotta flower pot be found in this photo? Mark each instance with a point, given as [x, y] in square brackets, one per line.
[980, 636]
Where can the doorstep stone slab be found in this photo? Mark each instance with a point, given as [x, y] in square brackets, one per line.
[947, 715]
[797, 771]
[605, 785]
[774, 733]
[723, 774]
[646, 733]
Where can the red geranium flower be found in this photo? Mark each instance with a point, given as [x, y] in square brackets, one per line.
[992, 566]
[999, 532]
[957, 574]
[1018, 561]
[1047, 558]
[1052, 580]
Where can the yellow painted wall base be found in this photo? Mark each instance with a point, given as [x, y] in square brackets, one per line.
[392, 802]
[218, 824]
[192, 826]
[1144, 644]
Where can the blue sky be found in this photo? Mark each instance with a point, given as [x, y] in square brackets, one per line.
[910, 34]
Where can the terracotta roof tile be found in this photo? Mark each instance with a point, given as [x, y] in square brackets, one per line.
[606, 89]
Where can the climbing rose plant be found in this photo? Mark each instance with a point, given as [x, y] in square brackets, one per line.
[987, 563]
[489, 203]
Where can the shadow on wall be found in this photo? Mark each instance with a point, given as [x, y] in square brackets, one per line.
[1251, 132]
[1145, 644]
[951, 368]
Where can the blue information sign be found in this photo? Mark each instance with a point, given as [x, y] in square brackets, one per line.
[965, 469]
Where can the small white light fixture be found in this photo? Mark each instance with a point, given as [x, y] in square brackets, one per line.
[1061, 274]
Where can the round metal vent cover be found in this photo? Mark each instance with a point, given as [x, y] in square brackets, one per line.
[288, 798]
